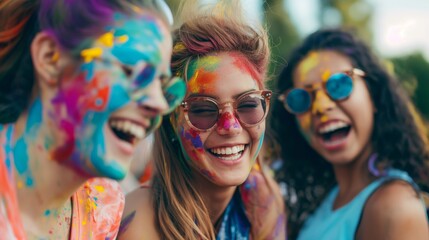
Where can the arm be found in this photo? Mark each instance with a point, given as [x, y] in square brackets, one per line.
[138, 221]
[394, 212]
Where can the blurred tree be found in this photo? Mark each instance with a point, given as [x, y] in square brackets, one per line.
[283, 35]
[413, 71]
[351, 14]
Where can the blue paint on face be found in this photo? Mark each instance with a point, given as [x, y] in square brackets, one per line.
[140, 32]
[32, 127]
[145, 77]
[261, 141]
[137, 44]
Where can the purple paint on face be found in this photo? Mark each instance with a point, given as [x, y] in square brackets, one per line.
[228, 121]
[145, 77]
[207, 173]
[194, 137]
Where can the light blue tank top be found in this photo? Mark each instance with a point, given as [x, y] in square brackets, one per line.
[342, 223]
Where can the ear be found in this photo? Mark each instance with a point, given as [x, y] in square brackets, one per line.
[45, 53]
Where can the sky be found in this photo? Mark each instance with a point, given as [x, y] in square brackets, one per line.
[400, 27]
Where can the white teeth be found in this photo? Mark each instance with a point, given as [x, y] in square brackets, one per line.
[332, 127]
[129, 127]
[228, 150]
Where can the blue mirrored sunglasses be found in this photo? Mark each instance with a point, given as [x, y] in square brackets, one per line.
[338, 87]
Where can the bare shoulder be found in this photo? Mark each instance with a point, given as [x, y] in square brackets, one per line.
[394, 211]
[138, 221]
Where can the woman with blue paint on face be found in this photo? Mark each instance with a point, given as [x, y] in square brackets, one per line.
[81, 83]
[209, 182]
[355, 159]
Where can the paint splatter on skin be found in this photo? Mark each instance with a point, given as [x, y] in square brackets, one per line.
[309, 63]
[227, 121]
[242, 63]
[125, 223]
[200, 74]
[85, 101]
[194, 137]
[261, 141]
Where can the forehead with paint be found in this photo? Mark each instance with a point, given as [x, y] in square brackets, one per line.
[318, 66]
[204, 74]
[135, 44]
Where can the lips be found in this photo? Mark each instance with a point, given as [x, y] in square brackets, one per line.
[228, 153]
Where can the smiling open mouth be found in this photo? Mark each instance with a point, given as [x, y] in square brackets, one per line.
[228, 153]
[334, 132]
[127, 131]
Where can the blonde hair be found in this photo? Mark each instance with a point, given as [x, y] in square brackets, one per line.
[180, 209]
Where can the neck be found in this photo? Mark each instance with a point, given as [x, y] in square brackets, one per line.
[45, 186]
[352, 177]
[216, 198]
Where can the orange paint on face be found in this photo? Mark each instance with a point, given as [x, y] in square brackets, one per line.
[201, 82]
[325, 75]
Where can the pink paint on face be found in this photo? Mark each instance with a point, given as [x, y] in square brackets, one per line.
[242, 63]
[227, 121]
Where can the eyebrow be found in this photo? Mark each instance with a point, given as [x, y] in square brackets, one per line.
[216, 97]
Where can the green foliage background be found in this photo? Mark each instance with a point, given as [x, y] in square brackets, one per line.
[412, 70]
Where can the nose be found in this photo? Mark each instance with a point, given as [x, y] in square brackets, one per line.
[321, 103]
[228, 124]
[153, 100]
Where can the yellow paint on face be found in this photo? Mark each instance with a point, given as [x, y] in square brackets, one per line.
[305, 122]
[307, 65]
[324, 118]
[122, 39]
[325, 75]
[321, 102]
[203, 77]
[89, 54]
[106, 39]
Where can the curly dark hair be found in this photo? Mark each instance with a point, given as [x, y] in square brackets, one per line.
[396, 137]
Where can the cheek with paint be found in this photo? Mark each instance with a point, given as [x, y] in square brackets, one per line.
[258, 149]
[191, 144]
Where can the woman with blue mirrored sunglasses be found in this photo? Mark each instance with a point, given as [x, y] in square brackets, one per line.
[355, 158]
[338, 87]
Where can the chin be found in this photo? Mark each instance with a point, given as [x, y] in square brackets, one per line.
[230, 180]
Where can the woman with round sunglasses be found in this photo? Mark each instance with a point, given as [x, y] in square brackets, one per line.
[355, 161]
[81, 83]
[209, 183]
